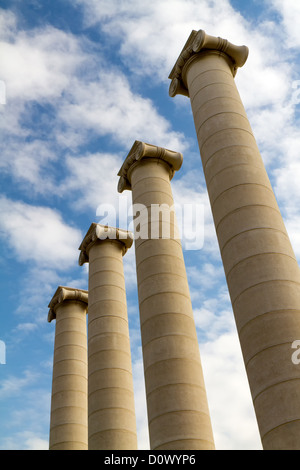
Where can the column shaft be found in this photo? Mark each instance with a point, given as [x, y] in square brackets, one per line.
[111, 412]
[262, 273]
[68, 421]
[177, 406]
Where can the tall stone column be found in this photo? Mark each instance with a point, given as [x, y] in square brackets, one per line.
[178, 414]
[68, 421]
[111, 411]
[262, 273]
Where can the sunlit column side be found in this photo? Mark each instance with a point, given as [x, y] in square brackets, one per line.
[68, 420]
[111, 411]
[178, 413]
[262, 273]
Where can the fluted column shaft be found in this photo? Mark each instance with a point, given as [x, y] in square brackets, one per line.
[178, 414]
[262, 272]
[68, 421]
[111, 412]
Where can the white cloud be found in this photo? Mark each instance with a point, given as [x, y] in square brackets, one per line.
[34, 442]
[83, 97]
[233, 419]
[140, 404]
[26, 327]
[153, 33]
[108, 106]
[38, 234]
[94, 178]
[8, 24]
[38, 65]
[29, 163]
[14, 385]
[290, 12]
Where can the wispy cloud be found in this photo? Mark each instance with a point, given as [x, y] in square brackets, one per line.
[38, 234]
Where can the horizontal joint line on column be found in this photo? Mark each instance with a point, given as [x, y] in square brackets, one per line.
[70, 344]
[76, 345]
[251, 230]
[176, 240]
[188, 384]
[57, 408]
[128, 371]
[260, 254]
[266, 349]
[264, 282]
[102, 271]
[97, 258]
[161, 255]
[108, 316]
[270, 312]
[68, 424]
[195, 412]
[71, 318]
[70, 390]
[147, 177]
[233, 166]
[208, 71]
[229, 147]
[196, 361]
[244, 207]
[66, 332]
[164, 293]
[124, 353]
[127, 431]
[183, 439]
[110, 408]
[162, 273]
[70, 359]
[218, 114]
[279, 426]
[68, 375]
[217, 98]
[212, 85]
[225, 130]
[293, 379]
[192, 338]
[110, 334]
[167, 313]
[239, 185]
[106, 285]
[111, 388]
[73, 443]
[136, 199]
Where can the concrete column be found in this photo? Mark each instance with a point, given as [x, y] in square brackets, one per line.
[111, 412]
[262, 273]
[68, 421]
[178, 414]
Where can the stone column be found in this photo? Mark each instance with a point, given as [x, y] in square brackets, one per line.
[261, 269]
[111, 412]
[178, 414]
[68, 421]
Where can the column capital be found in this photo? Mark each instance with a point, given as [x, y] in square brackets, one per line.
[141, 150]
[200, 42]
[98, 232]
[65, 293]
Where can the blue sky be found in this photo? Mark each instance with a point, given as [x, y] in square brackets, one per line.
[85, 79]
